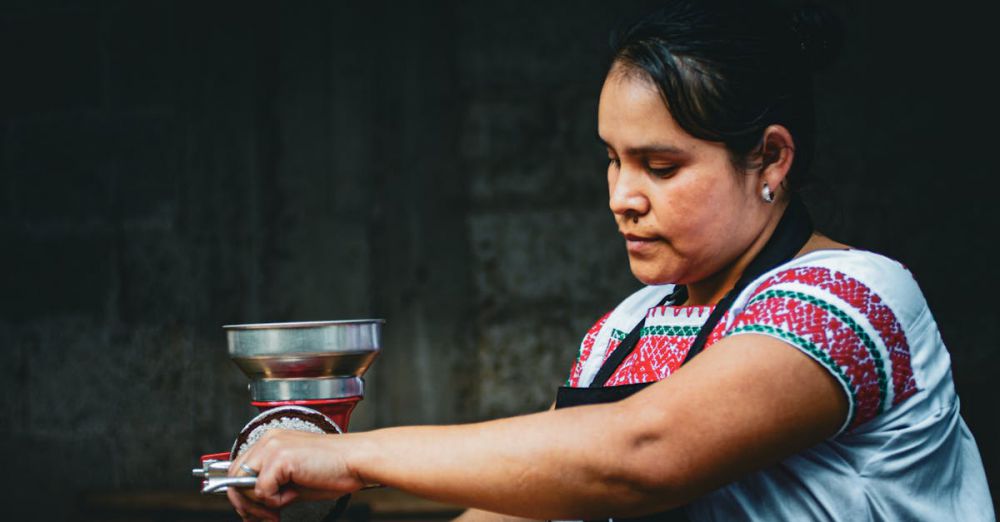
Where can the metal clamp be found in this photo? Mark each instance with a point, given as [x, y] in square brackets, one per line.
[216, 479]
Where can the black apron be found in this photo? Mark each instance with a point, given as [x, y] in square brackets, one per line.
[791, 234]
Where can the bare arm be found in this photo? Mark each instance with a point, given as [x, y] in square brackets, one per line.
[729, 411]
[478, 515]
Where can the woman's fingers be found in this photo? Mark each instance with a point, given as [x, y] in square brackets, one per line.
[271, 493]
[246, 501]
[248, 509]
[291, 466]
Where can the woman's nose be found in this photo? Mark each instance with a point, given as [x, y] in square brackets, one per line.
[627, 198]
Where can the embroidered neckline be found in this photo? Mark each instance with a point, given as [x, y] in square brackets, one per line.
[679, 310]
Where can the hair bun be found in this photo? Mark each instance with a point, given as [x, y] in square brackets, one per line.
[820, 35]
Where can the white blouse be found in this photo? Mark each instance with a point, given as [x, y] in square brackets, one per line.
[903, 451]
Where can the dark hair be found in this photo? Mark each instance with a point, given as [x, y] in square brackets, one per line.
[729, 68]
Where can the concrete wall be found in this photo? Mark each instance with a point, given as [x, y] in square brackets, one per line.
[169, 167]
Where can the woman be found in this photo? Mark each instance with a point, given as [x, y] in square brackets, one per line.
[765, 372]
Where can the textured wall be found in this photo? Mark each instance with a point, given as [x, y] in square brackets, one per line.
[169, 167]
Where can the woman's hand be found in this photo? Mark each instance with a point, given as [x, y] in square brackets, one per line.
[291, 465]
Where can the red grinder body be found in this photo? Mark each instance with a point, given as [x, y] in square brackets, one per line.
[339, 410]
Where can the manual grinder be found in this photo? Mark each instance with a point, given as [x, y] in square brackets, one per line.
[304, 376]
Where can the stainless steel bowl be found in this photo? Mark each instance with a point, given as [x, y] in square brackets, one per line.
[305, 350]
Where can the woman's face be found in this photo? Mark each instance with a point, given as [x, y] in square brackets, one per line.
[685, 210]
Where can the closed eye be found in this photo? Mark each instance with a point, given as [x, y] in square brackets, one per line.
[662, 172]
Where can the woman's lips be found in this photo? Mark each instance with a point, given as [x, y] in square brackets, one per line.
[639, 244]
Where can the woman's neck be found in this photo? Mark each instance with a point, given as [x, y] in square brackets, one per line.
[713, 288]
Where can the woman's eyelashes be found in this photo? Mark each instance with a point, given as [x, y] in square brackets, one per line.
[661, 172]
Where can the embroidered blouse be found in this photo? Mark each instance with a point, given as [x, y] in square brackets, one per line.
[903, 451]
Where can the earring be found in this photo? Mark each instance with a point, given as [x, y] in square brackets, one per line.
[767, 194]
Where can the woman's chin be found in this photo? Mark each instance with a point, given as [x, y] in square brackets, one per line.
[654, 281]
[650, 275]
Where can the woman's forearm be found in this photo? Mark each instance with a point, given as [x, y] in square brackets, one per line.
[725, 414]
[557, 464]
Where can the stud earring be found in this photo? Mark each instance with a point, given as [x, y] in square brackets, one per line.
[767, 194]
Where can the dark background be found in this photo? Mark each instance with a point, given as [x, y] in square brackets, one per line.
[169, 167]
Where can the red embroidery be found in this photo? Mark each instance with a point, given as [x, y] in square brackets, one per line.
[680, 311]
[657, 356]
[654, 358]
[871, 306]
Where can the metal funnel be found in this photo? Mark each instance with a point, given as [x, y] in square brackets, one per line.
[305, 360]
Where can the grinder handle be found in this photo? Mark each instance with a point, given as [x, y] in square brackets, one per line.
[221, 484]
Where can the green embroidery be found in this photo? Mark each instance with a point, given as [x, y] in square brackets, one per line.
[682, 331]
[686, 331]
[880, 372]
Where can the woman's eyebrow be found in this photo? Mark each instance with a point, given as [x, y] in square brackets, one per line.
[652, 148]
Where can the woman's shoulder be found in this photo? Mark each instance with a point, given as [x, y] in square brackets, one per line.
[857, 313]
[858, 276]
